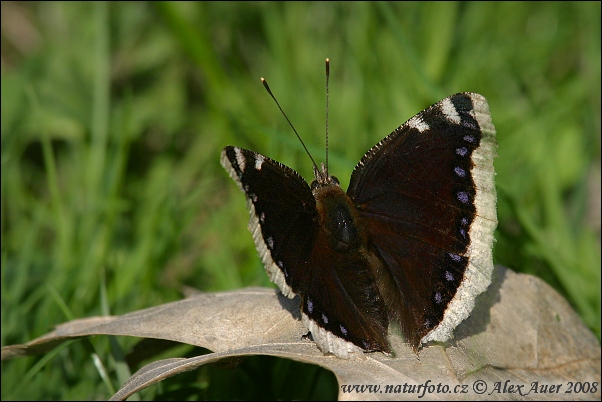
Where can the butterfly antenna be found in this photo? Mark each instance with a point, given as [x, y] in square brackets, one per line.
[267, 87]
[327, 76]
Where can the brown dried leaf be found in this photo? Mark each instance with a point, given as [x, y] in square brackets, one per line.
[521, 331]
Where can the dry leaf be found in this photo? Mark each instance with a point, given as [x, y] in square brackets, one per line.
[521, 333]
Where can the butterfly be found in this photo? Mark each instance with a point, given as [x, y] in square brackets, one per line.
[408, 244]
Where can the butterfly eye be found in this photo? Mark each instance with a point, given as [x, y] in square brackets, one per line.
[314, 185]
[335, 180]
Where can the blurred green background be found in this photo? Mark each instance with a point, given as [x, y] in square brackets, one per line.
[114, 116]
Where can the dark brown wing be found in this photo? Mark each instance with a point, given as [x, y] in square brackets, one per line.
[427, 199]
[341, 305]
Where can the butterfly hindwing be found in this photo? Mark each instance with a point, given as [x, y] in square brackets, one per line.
[342, 305]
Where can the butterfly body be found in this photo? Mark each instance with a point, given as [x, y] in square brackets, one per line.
[337, 218]
[409, 243]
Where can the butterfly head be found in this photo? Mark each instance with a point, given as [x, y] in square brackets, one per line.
[322, 178]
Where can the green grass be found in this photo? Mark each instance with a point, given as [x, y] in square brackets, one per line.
[114, 115]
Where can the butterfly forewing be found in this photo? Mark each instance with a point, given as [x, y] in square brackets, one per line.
[284, 220]
[340, 299]
[416, 194]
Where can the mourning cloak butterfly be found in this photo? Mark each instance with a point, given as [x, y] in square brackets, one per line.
[410, 243]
